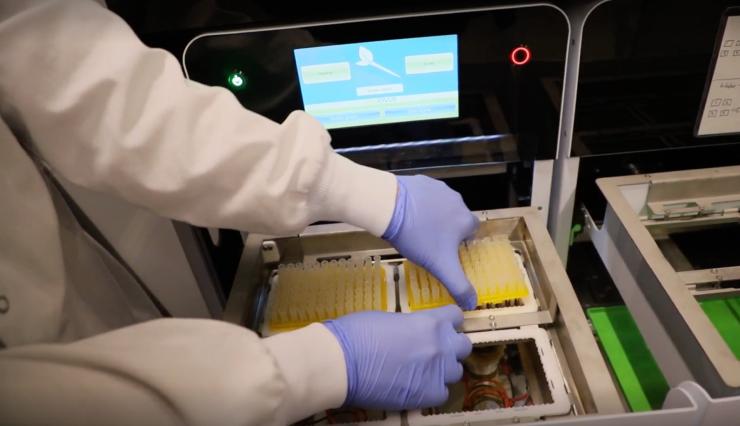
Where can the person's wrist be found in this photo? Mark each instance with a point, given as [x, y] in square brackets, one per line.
[399, 210]
[343, 341]
[355, 194]
[310, 361]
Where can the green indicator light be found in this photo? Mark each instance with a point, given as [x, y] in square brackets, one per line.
[236, 80]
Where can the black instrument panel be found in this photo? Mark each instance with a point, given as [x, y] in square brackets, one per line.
[508, 110]
[642, 76]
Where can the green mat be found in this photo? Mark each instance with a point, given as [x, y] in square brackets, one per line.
[725, 315]
[642, 383]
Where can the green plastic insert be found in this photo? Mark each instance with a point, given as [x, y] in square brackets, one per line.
[642, 383]
[725, 315]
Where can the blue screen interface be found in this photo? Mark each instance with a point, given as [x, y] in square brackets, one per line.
[380, 82]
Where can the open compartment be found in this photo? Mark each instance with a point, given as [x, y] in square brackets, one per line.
[705, 255]
[556, 326]
[323, 247]
[511, 375]
[667, 240]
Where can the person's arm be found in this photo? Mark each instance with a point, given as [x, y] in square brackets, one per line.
[204, 372]
[174, 372]
[110, 114]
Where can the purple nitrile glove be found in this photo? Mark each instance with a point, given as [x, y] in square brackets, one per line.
[429, 222]
[401, 361]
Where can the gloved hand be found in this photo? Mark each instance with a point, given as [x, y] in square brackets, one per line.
[429, 222]
[401, 361]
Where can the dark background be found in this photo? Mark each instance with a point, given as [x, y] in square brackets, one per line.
[643, 68]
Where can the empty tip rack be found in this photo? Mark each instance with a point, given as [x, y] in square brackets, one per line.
[490, 264]
[303, 293]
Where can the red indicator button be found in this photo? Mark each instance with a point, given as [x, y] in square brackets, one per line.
[520, 55]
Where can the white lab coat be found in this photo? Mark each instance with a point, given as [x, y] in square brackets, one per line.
[81, 93]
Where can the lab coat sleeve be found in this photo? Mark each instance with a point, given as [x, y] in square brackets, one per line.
[110, 114]
[174, 372]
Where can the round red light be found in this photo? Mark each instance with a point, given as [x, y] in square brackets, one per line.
[520, 55]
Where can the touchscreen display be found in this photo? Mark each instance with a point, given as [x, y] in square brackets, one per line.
[380, 82]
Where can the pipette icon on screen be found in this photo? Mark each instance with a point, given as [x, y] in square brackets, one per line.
[366, 58]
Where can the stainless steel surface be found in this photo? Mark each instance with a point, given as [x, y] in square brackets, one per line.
[541, 187]
[625, 271]
[710, 276]
[246, 292]
[562, 203]
[589, 371]
[565, 171]
[649, 282]
[560, 313]
[688, 403]
[705, 282]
